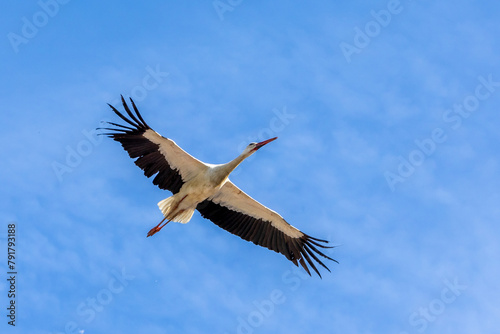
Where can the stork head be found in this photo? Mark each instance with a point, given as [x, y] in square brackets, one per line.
[253, 147]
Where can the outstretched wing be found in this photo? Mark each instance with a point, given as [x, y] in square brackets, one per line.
[155, 154]
[238, 213]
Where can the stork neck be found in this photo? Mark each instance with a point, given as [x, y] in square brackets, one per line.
[231, 165]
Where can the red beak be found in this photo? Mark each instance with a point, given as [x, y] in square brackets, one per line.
[262, 143]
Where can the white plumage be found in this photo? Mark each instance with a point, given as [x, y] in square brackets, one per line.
[205, 187]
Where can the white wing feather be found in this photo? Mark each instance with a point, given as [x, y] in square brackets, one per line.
[186, 165]
[235, 199]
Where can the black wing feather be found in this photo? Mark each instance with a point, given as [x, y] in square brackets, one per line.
[301, 250]
[149, 157]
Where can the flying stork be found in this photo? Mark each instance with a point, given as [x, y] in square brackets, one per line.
[205, 187]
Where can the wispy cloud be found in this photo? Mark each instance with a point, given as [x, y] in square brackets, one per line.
[228, 83]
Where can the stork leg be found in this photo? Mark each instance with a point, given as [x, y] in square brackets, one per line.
[157, 228]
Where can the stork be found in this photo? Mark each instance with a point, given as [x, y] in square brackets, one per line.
[196, 185]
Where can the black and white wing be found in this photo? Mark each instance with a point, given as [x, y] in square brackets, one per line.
[238, 213]
[155, 154]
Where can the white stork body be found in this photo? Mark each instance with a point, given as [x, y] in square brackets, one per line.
[204, 187]
[180, 207]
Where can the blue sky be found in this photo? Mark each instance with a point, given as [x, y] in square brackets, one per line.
[387, 118]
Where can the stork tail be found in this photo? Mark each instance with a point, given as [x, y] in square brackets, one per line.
[165, 205]
[170, 210]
